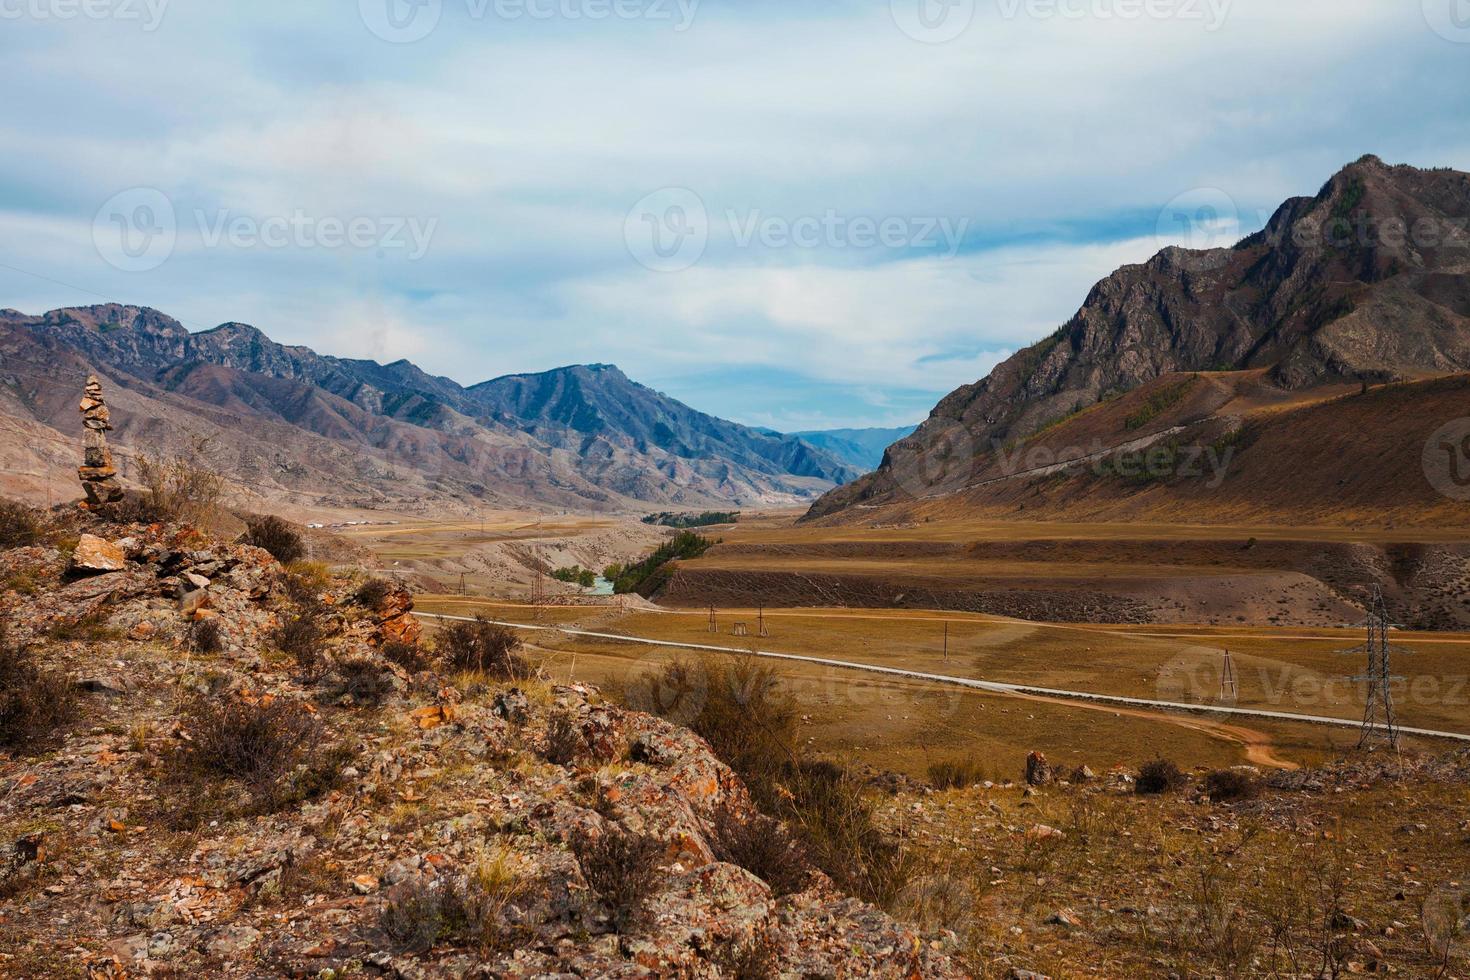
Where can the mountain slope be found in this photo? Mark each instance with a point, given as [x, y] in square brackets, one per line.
[862, 448]
[409, 437]
[1368, 281]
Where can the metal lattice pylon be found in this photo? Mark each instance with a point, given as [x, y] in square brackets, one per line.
[1378, 717]
[1229, 690]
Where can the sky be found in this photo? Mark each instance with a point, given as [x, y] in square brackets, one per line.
[800, 215]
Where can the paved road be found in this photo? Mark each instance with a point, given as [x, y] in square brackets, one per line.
[995, 687]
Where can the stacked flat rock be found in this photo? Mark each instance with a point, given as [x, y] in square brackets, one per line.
[98, 475]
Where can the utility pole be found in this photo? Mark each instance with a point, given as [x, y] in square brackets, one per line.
[1228, 690]
[1378, 716]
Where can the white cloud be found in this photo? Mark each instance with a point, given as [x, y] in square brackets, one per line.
[529, 142]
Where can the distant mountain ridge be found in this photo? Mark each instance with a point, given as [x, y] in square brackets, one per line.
[581, 436]
[1368, 281]
[862, 448]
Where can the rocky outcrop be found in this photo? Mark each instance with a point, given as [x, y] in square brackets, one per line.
[438, 786]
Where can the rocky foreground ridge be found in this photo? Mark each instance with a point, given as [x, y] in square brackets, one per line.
[415, 825]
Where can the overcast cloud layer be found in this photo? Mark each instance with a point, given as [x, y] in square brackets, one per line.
[794, 215]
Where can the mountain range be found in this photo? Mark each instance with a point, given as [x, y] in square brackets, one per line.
[1271, 347]
[329, 431]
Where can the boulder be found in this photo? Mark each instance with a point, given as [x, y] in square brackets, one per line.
[96, 556]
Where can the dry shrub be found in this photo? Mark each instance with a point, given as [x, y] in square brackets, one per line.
[410, 656]
[372, 593]
[1158, 776]
[206, 636]
[469, 910]
[257, 744]
[414, 916]
[956, 774]
[363, 679]
[281, 538]
[736, 705]
[623, 869]
[306, 581]
[272, 749]
[300, 638]
[482, 647]
[832, 814]
[564, 740]
[1230, 785]
[756, 958]
[34, 703]
[20, 526]
[763, 847]
[184, 487]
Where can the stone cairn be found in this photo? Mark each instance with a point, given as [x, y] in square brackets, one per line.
[98, 475]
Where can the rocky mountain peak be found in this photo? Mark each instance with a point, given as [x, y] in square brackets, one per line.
[1367, 280]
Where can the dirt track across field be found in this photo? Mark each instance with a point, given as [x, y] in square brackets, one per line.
[1257, 745]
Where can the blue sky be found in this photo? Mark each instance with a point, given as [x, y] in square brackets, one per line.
[797, 215]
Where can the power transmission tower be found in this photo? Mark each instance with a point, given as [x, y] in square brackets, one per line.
[946, 641]
[1229, 691]
[761, 621]
[714, 626]
[1378, 717]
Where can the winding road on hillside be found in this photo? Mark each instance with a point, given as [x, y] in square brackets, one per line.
[1257, 744]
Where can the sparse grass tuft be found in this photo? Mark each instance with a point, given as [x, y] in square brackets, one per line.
[956, 774]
